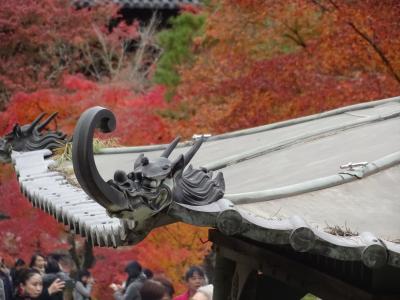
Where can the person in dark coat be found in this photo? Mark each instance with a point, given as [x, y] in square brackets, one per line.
[83, 286]
[134, 283]
[54, 276]
[6, 287]
[18, 265]
[2, 292]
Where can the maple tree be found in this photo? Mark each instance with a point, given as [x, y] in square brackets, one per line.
[264, 61]
[243, 63]
[39, 41]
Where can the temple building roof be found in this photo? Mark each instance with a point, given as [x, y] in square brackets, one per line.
[139, 4]
[326, 184]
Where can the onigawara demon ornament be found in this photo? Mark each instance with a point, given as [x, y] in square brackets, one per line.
[152, 185]
[31, 137]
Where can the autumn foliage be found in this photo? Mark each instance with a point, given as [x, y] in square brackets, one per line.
[138, 122]
[40, 40]
[234, 64]
[264, 61]
[28, 230]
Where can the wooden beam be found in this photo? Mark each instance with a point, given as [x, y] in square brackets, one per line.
[223, 274]
[288, 271]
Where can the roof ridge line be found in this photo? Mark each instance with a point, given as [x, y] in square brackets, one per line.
[371, 168]
[262, 128]
[304, 119]
[262, 150]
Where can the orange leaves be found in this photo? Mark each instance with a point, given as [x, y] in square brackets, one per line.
[109, 267]
[365, 33]
[265, 61]
[168, 250]
[172, 249]
[259, 61]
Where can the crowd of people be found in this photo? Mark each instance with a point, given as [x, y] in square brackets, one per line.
[48, 278]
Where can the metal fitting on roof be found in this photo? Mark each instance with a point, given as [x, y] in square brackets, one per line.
[350, 166]
[199, 136]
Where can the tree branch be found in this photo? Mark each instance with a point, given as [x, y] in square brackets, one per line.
[72, 251]
[88, 256]
[320, 5]
[377, 49]
[366, 38]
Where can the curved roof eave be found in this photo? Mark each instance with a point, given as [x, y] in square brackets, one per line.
[48, 190]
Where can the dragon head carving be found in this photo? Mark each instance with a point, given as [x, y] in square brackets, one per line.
[31, 137]
[152, 185]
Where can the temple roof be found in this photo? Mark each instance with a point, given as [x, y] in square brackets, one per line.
[325, 184]
[138, 4]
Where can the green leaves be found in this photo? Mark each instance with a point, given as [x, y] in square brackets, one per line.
[177, 48]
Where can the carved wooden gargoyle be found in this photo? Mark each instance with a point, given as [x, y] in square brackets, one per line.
[31, 137]
[152, 185]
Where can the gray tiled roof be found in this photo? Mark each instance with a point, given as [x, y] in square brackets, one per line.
[152, 4]
[285, 182]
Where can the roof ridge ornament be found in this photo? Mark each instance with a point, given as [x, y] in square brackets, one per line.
[31, 137]
[153, 184]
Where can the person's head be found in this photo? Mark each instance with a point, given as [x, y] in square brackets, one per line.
[66, 264]
[169, 288]
[30, 283]
[195, 278]
[3, 267]
[19, 264]
[152, 290]
[204, 293]
[52, 265]
[149, 273]
[38, 261]
[83, 276]
[133, 269]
